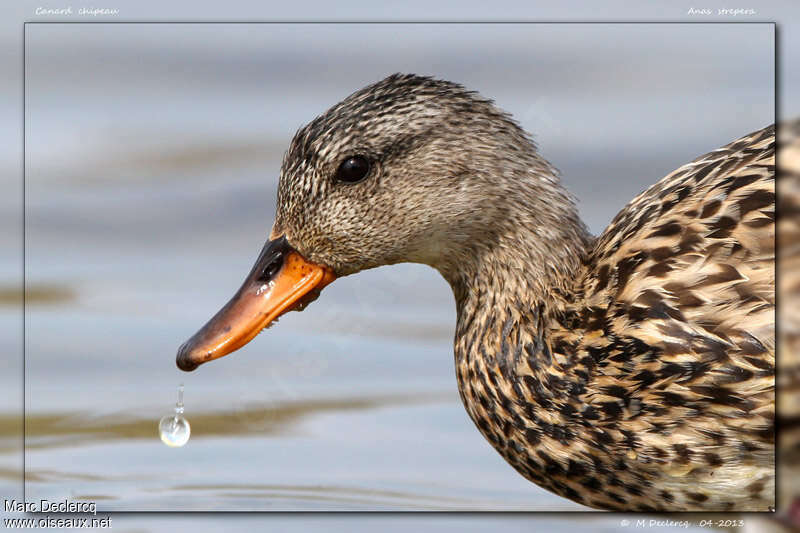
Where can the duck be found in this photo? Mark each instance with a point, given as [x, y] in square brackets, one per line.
[630, 371]
[788, 286]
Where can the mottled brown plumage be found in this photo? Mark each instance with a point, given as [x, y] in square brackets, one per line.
[634, 371]
[788, 238]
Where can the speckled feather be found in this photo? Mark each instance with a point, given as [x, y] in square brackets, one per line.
[649, 385]
[788, 238]
[634, 371]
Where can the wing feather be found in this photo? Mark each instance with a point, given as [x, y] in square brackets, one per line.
[684, 281]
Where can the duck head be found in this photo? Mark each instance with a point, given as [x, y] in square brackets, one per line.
[409, 169]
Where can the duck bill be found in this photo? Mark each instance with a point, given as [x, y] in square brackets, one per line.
[281, 280]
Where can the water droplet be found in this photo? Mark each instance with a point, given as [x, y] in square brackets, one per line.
[175, 429]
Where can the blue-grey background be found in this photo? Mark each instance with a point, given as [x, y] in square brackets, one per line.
[213, 149]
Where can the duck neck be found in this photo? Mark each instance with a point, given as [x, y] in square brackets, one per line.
[517, 307]
[524, 270]
[512, 309]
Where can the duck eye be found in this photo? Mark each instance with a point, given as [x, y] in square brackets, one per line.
[353, 169]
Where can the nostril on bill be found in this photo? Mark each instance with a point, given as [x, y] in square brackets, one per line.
[272, 268]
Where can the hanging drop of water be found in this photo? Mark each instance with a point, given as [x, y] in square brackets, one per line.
[174, 429]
